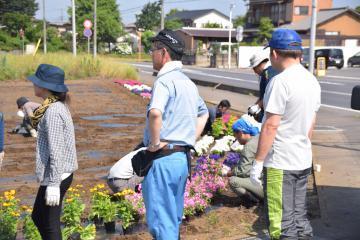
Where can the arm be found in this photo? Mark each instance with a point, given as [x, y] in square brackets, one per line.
[155, 123]
[201, 122]
[312, 127]
[267, 135]
[55, 135]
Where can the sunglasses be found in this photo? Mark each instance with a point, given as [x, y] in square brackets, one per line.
[152, 50]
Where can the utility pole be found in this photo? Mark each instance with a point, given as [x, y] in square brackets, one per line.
[162, 15]
[312, 36]
[44, 23]
[73, 28]
[230, 29]
[95, 43]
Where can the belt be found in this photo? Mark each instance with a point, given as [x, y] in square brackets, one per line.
[115, 178]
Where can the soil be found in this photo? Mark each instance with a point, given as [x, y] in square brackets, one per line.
[109, 122]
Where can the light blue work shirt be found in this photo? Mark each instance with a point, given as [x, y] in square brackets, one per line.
[177, 97]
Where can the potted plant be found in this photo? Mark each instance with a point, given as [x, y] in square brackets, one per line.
[99, 196]
[9, 215]
[109, 214]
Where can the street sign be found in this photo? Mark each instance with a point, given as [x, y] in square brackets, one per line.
[87, 24]
[87, 32]
[321, 66]
[239, 33]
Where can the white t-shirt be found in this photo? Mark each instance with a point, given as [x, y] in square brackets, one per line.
[123, 168]
[296, 95]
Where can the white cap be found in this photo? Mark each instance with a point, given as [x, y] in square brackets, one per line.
[258, 57]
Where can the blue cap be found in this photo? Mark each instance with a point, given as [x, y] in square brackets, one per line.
[286, 39]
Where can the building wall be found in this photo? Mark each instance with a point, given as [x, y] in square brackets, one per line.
[346, 24]
[322, 4]
[211, 18]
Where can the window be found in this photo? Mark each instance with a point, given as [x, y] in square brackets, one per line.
[301, 10]
[331, 33]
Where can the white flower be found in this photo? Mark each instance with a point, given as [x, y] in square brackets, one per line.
[202, 146]
[236, 147]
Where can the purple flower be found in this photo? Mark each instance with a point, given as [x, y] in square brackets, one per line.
[214, 156]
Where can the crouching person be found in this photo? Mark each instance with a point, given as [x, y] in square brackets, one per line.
[122, 175]
[248, 135]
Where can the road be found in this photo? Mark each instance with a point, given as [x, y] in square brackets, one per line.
[336, 85]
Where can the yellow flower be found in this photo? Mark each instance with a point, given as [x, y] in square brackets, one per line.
[12, 192]
[24, 207]
[5, 204]
[100, 186]
[29, 210]
[15, 214]
[79, 185]
[69, 200]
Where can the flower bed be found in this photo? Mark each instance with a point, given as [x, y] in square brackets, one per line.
[136, 87]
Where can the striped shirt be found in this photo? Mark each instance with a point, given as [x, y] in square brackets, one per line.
[55, 149]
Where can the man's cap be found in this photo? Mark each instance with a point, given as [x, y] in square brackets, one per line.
[258, 58]
[170, 39]
[285, 39]
[21, 101]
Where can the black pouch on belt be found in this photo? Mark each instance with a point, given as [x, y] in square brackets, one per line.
[142, 161]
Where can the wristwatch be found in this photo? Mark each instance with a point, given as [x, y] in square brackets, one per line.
[154, 145]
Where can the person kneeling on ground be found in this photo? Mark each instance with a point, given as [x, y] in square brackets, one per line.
[216, 112]
[248, 135]
[122, 176]
[26, 111]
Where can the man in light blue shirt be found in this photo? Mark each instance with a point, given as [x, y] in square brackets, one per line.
[176, 116]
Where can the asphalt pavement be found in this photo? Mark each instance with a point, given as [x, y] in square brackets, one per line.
[336, 86]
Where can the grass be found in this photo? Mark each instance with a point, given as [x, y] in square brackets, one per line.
[80, 67]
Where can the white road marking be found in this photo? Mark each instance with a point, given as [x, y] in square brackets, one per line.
[344, 77]
[327, 129]
[147, 72]
[338, 93]
[340, 108]
[331, 83]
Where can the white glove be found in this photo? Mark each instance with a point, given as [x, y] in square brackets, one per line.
[2, 154]
[254, 110]
[20, 114]
[52, 196]
[225, 170]
[255, 172]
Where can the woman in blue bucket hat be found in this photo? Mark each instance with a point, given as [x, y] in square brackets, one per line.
[55, 149]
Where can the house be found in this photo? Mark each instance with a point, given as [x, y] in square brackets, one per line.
[199, 18]
[335, 27]
[62, 27]
[282, 11]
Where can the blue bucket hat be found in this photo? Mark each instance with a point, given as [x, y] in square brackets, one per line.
[286, 39]
[49, 77]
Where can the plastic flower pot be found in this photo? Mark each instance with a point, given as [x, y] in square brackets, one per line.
[98, 222]
[109, 227]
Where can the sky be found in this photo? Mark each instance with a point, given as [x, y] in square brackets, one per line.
[56, 10]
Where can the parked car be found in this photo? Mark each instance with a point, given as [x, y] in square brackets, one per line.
[354, 60]
[333, 56]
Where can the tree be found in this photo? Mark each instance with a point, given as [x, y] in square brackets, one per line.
[212, 25]
[15, 21]
[109, 26]
[265, 29]
[27, 7]
[239, 21]
[174, 23]
[149, 18]
[145, 40]
[357, 9]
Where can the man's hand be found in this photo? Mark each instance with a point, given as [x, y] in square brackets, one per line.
[255, 172]
[156, 147]
[52, 196]
[2, 154]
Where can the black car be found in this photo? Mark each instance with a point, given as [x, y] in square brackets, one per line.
[334, 57]
[354, 60]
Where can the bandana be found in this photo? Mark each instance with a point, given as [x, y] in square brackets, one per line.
[40, 111]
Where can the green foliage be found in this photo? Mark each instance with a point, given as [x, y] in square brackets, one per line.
[27, 7]
[145, 40]
[126, 213]
[265, 29]
[357, 9]
[73, 210]
[14, 22]
[239, 21]
[86, 233]
[229, 131]
[83, 66]
[212, 25]
[109, 26]
[9, 215]
[55, 42]
[174, 24]
[30, 230]
[8, 43]
[218, 128]
[149, 18]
